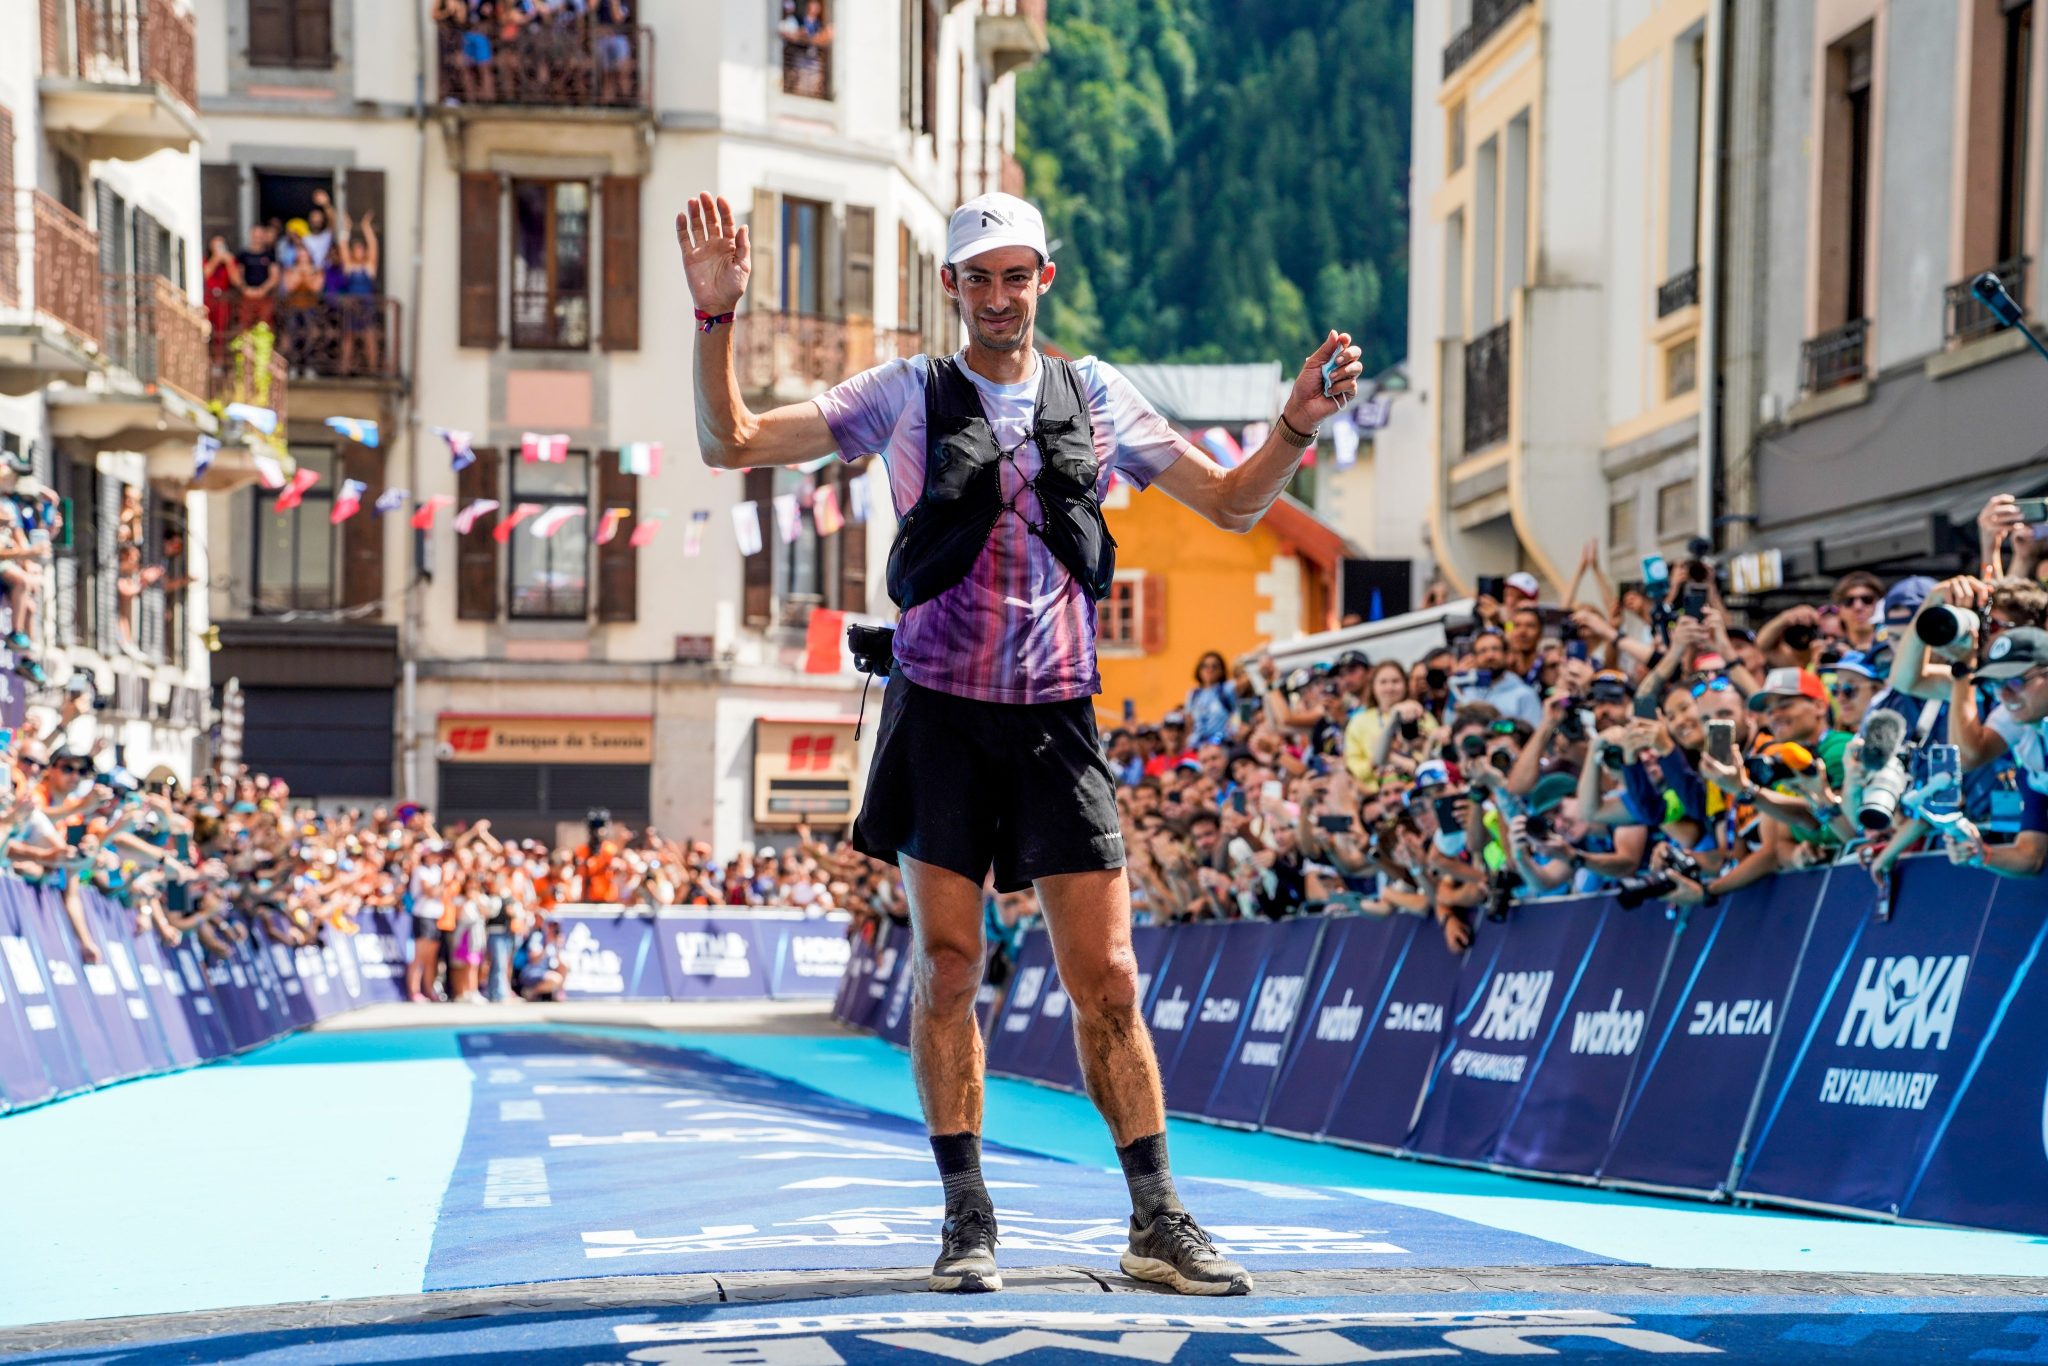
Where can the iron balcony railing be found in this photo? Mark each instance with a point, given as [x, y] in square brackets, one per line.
[134, 42]
[63, 269]
[1487, 381]
[1968, 319]
[327, 336]
[156, 334]
[1487, 18]
[1835, 357]
[806, 68]
[567, 64]
[772, 350]
[1680, 291]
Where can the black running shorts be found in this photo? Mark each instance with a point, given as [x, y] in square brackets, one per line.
[970, 785]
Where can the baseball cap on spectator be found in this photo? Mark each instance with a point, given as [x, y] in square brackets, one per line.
[2014, 652]
[1432, 773]
[1524, 582]
[1610, 685]
[991, 221]
[765, 851]
[1861, 664]
[1354, 659]
[1902, 601]
[1788, 682]
[1550, 789]
[1174, 718]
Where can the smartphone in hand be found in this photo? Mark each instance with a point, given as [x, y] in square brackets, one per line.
[1721, 741]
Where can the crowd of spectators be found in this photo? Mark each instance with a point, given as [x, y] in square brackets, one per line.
[312, 281]
[1642, 740]
[537, 51]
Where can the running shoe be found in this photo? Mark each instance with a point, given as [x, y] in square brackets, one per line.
[967, 1252]
[1173, 1251]
[17, 641]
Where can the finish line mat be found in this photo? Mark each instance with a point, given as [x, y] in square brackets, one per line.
[592, 1156]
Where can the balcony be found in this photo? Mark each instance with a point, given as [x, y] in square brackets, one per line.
[1834, 358]
[338, 337]
[573, 65]
[155, 394]
[1487, 385]
[120, 76]
[806, 62]
[51, 292]
[1009, 34]
[1680, 291]
[1968, 319]
[1487, 18]
[796, 356]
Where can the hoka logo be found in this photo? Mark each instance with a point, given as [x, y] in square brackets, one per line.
[1514, 1007]
[1279, 998]
[1905, 1002]
[1029, 983]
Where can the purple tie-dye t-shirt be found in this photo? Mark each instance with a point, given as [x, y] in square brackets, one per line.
[1018, 628]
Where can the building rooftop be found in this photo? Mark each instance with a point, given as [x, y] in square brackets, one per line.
[1209, 395]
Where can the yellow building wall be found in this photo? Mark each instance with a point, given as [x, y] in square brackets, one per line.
[1213, 600]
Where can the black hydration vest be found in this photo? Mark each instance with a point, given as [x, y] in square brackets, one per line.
[941, 537]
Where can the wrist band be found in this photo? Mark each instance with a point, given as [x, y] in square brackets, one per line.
[1294, 436]
[707, 321]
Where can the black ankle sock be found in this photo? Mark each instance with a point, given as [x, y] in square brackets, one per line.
[1144, 1161]
[959, 1157]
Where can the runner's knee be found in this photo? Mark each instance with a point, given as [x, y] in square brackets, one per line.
[947, 973]
[1110, 991]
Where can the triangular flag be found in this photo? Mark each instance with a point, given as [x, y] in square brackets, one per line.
[609, 527]
[646, 531]
[293, 493]
[551, 450]
[263, 420]
[519, 513]
[822, 636]
[478, 507]
[203, 451]
[268, 470]
[640, 457]
[859, 494]
[789, 518]
[390, 500]
[460, 453]
[746, 526]
[825, 511]
[693, 534]
[423, 516]
[554, 519]
[348, 502]
[356, 429]
[1224, 447]
[1254, 435]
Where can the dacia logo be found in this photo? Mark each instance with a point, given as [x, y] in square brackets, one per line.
[1905, 1002]
[1340, 1023]
[1279, 998]
[1421, 1017]
[1220, 1010]
[1514, 1007]
[1171, 1013]
[1730, 1017]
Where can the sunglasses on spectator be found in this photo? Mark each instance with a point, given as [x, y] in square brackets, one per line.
[1859, 600]
[1707, 685]
[1502, 727]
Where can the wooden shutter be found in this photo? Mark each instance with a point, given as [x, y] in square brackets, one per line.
[220, 204]
[149, 623]
[270, 32]
[148, 245]
[928, 68]
[757, 599]
[10, 250]
[853, 544]
[857, 262]
[1152, 614]
[764, 230]
[362, 536]
[621, 265]
[904, 317]
[618, 563]
[106, 597]
[479, 271]
[363, 192]
[476, 555]
[313, 33]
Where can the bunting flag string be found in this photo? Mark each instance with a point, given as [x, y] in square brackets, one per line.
[461, 455]
[267, 470]
[203, 451]
[467, 518]
[502, 532]
[645, 532]
[263, 420]
[609, 527]
[356, 429]
[390, 500]
[293, 493]
[640, 457]
[825, 511]
[545, 448]
[348, 502]
[746, 526]
[1223, 446]
[554, 519]
[789, 518]
[693, 534]
[423, 518]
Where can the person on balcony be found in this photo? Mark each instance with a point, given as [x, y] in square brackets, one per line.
[318, 237]
[807, 37]
[361, 327]
[28, 516]
[616, 79]
[256, 279]
[219, 274]
[470, 23]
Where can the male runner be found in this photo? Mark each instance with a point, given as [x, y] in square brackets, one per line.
[987, 754]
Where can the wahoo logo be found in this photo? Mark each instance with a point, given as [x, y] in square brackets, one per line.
[1171, 1013]
[819, 956]
[594, 968]
[1514, 1006]
[1422, 1017]
[1220, 1010]
[1279, 999]
[707, 953]
[1029, 983]
[1612, 1032]
[1730, 1017]
[1905, 1002]
[1340, 1023]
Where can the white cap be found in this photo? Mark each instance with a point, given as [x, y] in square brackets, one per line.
[1525, 582]
[991, 221]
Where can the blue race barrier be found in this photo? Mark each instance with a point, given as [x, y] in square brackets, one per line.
[712, 957]
[1377, 1106]
[1221, 1012]
[1354, 973]
[1028, 977]
[807, 958]
[611, 956]
[65, 1069]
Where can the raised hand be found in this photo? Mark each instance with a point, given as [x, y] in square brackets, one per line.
[1306, 406]
[717, 257]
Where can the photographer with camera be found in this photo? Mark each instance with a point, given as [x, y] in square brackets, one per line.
[2017, 662]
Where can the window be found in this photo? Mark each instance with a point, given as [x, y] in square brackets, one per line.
[1688, 109]
[296, 561]
[1456, 138]
[1116, 616]
[1844, 204]
[551, 264]
[1621, 525]
[805, 567]
[802, 271]
[806, 31]
[551, 575]
[2013, 149]
[291, 33]
[1675, 509]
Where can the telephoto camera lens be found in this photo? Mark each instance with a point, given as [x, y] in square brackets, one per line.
[1799, 636]
[1501, 760]
[1436, 680]
[1949, 630]
[1411, 728]
[1634, 891]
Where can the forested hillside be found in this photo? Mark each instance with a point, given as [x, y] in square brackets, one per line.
[1224, 178]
